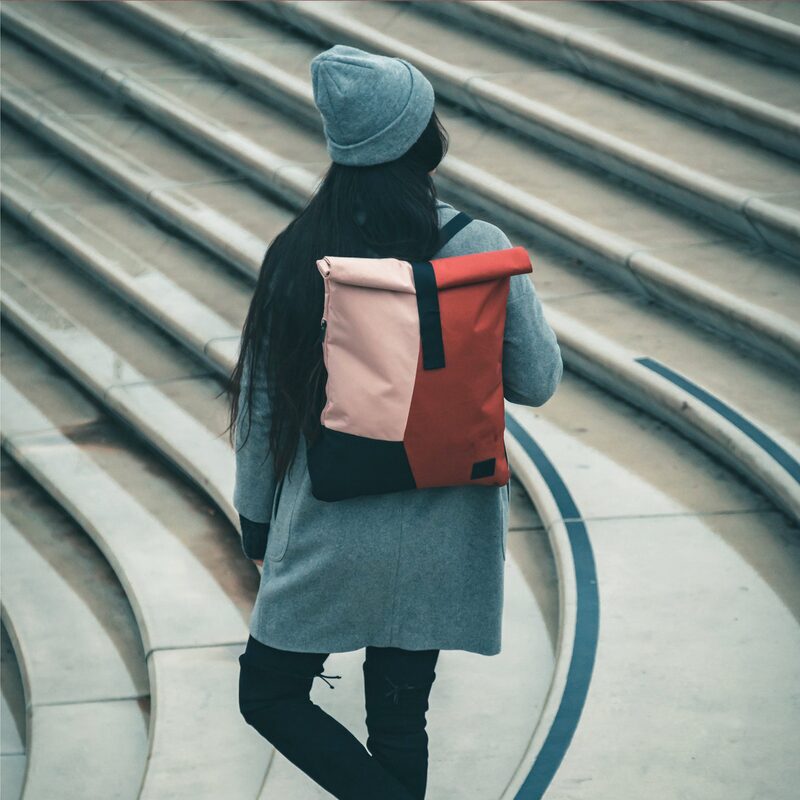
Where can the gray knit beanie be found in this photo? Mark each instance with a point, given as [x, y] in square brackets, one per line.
[373, 107]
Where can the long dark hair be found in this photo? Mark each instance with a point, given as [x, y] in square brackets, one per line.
[377, 211]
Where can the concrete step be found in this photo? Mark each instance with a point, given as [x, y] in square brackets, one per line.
[771, 29]
[704, 501]
[186, 291]
[191, 603]
[190, 538]
[764, 464]
[775, 9]
[691, 165]
[81, 655]
[128, 366]
[686, 626]
[698, 176]
[596, 444]
[528, 633]
[659, 62]
[282, 772]
[687, 268]
[13, 758]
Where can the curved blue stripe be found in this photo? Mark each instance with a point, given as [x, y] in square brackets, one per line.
[764, 441]
[587, 624]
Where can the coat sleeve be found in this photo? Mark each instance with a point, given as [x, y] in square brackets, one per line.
[254, 484]
[254, 537]
[532, 362]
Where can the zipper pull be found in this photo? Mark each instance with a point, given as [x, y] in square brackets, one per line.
[322, 327]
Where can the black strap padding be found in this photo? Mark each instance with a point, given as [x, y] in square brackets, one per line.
[452, 227]
[446, 232]
[430, 322]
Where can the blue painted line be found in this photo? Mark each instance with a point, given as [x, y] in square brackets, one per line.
[584, 649]
[765, 442]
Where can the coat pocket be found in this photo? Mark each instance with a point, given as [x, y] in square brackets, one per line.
[277, 499]
[279, 528]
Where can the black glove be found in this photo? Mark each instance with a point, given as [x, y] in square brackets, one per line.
[254, 538]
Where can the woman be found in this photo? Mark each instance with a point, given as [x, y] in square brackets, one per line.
[403, 574]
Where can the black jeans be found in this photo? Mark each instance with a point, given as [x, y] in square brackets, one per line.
[274, 687]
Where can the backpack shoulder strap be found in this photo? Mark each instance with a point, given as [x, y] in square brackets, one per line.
[452, 227]
[446, 232]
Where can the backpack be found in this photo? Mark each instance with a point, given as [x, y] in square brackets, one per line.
[413, 354]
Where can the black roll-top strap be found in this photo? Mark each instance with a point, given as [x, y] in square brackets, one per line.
[428, 297]
[430, 323]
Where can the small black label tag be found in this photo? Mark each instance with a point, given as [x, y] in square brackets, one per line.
[482, 469]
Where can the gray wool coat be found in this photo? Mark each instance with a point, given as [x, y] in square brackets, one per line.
[416, 569]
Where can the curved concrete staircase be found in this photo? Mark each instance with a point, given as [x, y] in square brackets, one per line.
[150, 152]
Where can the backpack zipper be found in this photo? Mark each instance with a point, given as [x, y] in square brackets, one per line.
[323, 325]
